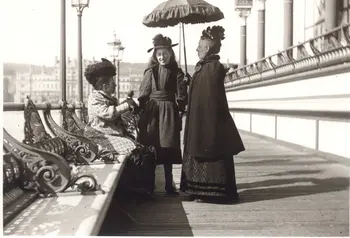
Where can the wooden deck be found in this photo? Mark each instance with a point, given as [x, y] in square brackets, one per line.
[284, 192]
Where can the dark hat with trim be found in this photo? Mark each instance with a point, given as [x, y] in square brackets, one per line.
[160, 41]
[103, 68]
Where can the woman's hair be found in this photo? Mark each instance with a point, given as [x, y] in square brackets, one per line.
[214, 35]
[99, 73]
[100, 81]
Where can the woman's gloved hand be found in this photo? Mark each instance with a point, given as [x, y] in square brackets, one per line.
[187, 78]
[143, 100]
[132, 104]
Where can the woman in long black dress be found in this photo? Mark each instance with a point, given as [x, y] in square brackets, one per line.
[211, 138]
[163, 95]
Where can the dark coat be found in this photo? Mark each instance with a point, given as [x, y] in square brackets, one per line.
[160, 122]
[210, 130]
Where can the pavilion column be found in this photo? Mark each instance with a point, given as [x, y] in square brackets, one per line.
[288, 23]
[243, 14]
[331, 14]
[261, 29]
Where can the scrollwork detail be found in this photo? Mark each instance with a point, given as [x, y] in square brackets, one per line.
[78, 146]
[84, 183]
[34, 130]
[38, 167]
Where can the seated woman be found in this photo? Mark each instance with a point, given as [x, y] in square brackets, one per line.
[106, 127]
[104, 110]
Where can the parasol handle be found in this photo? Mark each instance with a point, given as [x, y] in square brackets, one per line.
[180, 45]
[183, 36]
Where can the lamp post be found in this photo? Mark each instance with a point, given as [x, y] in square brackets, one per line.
[80, 5]
[117, 55]
[243, 7]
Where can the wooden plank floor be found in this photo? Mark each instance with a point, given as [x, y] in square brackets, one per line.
[284, 192]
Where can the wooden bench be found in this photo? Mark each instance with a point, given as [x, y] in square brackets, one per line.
[45, 193]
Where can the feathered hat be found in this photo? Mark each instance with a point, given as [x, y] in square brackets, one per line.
[215, 33]
[103, 68]
[160, 41]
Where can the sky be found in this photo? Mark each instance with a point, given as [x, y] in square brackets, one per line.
[32, 30]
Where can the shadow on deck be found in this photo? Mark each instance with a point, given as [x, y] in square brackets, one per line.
[284, 192]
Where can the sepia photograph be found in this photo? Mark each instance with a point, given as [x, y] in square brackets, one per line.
[176, 118]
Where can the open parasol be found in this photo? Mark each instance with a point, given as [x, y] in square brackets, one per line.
[173, 12]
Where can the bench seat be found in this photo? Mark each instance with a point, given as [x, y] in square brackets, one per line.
[71, 213]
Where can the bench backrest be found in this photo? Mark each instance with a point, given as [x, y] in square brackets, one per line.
[81, 149]
[35, 133]
[74, 148]
[45, 171]
[71, 122]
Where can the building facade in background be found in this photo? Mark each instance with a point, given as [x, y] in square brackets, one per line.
[43, 83]
[40, 86]
[72, 79]
[9, 86]
[128, 83]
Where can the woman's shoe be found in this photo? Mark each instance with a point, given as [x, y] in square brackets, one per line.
[171, 190]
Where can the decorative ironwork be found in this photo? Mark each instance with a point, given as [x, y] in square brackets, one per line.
[282, 59]
[264, 65]
[48, 172]
[83, 149]
[242, 4]
[34, 130]
[272, 63]
[302, 52]
[289, 56]
[82, 182]
[11, 172]
[346, 35]
[70, 121]
[330, 42]
[313, 47]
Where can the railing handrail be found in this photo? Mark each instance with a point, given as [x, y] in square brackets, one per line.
[40, 106]
[288, 49]
[313, 114]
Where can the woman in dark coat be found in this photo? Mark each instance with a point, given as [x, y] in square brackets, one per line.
[211, 138]
[163, 95]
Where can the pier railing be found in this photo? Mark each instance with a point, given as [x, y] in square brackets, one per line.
[296, 62]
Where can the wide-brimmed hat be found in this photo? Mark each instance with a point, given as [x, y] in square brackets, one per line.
[160, 41]
[99, 69]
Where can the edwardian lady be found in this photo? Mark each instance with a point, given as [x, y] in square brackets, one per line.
[105, 111]
[107, 129]
[211, 137]
[163, 94]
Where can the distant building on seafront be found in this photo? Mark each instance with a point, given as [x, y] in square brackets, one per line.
[42, 83]
[40, 86]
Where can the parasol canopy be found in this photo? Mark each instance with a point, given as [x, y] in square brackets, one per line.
[172, 12]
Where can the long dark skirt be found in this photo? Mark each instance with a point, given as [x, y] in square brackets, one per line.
[169, 156]
[212, 179]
